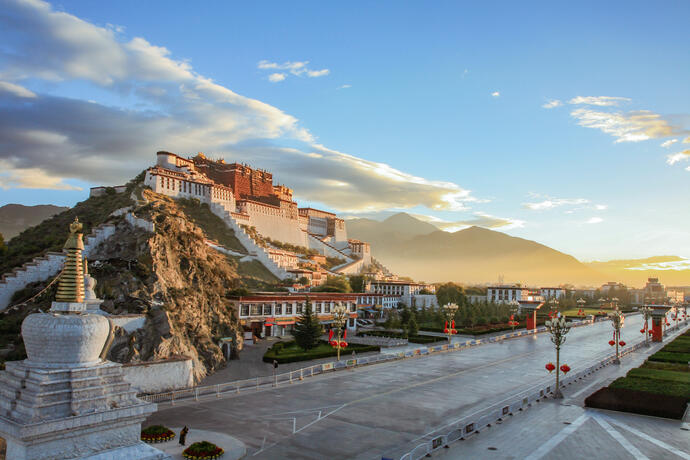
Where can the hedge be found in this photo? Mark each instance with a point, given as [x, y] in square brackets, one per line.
[653, 386]
[421, 339]
[670, 357]
[271, 355]
[638, 402]
[663, 375]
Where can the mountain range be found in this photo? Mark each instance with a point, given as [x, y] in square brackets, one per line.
[418, 249]
[14, 218]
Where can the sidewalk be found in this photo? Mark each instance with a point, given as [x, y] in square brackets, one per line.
[234, 448]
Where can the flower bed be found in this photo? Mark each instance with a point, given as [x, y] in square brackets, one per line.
[157, 433]
[203, 450]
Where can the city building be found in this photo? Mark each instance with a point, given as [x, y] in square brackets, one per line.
[253, 204]
[654, 292]
[506, 294]
[275, 314]
[552, 292]
[416, 295]
[611, 285]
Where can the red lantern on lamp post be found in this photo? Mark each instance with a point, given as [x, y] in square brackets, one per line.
[450, 309]
[550, 367]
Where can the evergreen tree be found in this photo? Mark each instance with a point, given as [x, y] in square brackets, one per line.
[3, 247]
[308, 330]
[412, 328]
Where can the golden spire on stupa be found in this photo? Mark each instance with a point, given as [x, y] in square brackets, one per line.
[71, 286]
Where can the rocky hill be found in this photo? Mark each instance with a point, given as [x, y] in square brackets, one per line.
[472, 255]
[171, 275]
[14, 218]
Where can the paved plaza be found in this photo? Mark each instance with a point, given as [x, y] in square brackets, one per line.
[387, 409]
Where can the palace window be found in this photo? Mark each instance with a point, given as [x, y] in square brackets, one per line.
[255, 310]
[267, 310]
[279, 309]
[298, 310]
[288, 309]
[318, 307]
[244, 310]
[327, 307]
[353, 307]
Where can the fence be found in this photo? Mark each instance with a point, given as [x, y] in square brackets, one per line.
[474, 423]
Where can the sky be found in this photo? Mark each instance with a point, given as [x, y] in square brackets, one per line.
[567, 124]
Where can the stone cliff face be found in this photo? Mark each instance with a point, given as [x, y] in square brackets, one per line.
[174, 278]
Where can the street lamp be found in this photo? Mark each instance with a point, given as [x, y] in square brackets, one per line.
[580, 307]
[450, 309]
[647, 313]
[514, 308]
[339, 319]
[617, 321]
[558, 328]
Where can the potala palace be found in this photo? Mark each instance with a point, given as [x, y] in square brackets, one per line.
[250, 203]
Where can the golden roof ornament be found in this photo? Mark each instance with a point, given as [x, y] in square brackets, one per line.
[71, 286]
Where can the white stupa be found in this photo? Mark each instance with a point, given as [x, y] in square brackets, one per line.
[65, 401]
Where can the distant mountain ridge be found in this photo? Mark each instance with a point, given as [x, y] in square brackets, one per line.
[15, 218]
[418, 249]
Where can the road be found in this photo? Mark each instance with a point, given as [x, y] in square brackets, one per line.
[384, 409]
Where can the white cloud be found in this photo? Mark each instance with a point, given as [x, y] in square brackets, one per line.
[629, 127]
[276, 77]
[496, 94]
[344, 86]
[668, 143]
[31, 178]
[52, 138]
[595, 220]
[600, 207]
[317, 73]
[602, 101]
[676, 157]
[555, 203]
[297, 68]
[552, 103]
[16, 90]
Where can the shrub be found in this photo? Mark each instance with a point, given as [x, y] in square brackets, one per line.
[157, 433]
[202, 450]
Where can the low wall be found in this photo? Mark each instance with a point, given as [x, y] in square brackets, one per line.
[129, 323]
[160, 376]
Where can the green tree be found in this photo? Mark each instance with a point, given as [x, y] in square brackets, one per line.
[405, 315]
[304, 281]
[308, 330]
[450, 293]
[3, 246]
[357, 283]
[412, 327]
[335, 284]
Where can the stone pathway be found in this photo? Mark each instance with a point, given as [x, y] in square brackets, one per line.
[234, 448]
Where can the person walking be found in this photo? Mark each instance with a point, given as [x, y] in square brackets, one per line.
[183, 435]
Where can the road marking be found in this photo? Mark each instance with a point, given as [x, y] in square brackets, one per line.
[620, 438]
[555, 440]
[646, 437]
